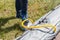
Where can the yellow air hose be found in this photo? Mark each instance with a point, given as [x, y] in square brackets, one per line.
[40, 26]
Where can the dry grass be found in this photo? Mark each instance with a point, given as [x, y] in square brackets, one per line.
[9, 27]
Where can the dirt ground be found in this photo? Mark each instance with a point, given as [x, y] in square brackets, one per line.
[57, 37]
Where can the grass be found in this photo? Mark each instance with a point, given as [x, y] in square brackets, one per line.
[9, 24]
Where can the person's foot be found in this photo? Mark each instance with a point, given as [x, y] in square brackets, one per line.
[18, 16]
[27, 23]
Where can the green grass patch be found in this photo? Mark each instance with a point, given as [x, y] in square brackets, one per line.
[9, 24]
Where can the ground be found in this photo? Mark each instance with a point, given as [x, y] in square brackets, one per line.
[10, 25]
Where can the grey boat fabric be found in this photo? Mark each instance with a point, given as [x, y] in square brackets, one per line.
[52, 17]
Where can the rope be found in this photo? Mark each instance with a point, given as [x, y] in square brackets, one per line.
[40, 26]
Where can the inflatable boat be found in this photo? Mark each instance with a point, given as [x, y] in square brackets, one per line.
[45, 28]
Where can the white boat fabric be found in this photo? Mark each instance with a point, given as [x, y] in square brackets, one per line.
[52, 17]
